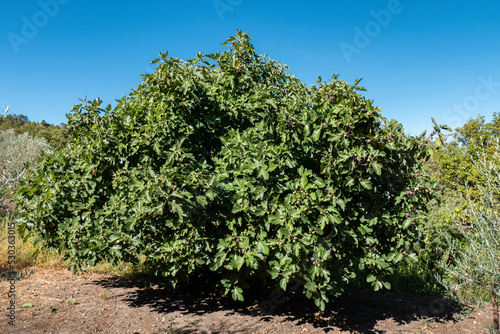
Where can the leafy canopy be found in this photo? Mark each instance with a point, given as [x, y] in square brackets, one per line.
[453, 166]
[226, 164]
[55, 135]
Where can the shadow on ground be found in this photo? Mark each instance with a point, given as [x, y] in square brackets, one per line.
[353, 311]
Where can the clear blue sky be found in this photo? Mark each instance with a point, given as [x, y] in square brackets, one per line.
[418, 59]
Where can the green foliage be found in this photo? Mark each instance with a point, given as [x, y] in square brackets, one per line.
[16, 153]
[472, 265]
[228, 165]
[440, 224]
[459, 183]
[56, 136]
[416, 278]
[475, 263]
[453, 166]
[452, 169]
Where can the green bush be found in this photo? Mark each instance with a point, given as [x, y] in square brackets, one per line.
[17, 152]
[459, 183]
[472, 265]
[453, 166]
[56, 136]
[226, 165]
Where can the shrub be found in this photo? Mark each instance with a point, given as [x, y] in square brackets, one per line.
[226, 164]
[56, 136]
[453, 166]
[459, 187]
[472, 265]
[16, 153]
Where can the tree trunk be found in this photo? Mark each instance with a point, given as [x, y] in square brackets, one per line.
[495, 312]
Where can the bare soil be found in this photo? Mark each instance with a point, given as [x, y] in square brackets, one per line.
[92, 303]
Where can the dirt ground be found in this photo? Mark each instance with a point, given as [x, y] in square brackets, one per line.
[91, 303]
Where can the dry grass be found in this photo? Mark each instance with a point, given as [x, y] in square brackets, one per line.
[51, 259]
[123, 269]
[25, 252]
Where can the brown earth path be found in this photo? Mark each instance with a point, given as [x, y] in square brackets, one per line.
[93, 303]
